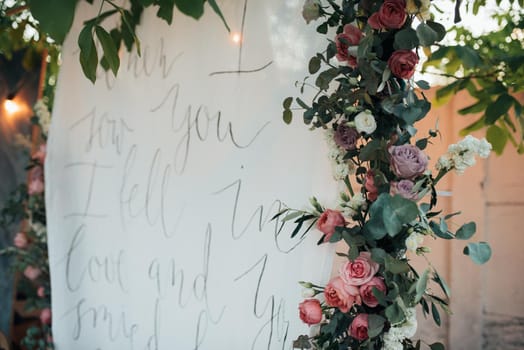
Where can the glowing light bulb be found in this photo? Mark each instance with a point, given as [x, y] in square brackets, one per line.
[236, 38]
[11, 107]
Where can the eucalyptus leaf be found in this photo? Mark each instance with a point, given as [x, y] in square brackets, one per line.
[437, 346]
[478, 252]
[466, 231]
[426, 35]
[421, 285]
[435, 314]
[314, 65]
[375, 325]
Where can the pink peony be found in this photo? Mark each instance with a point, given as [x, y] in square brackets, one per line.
[40, 292]
[359, 271]
[403, 63]
[351, 36]
[359, 327]
[310, 311]
[341, 295]
[407, 161]
[328, 221]
[32, 272]
[391, 15]
[20, 241]
[45, 316]
[366, 291]
[369, 185]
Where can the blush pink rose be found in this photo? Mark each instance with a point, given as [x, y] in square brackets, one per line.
[36, 186]
[407, 161]
[310, 311]
[40, 292]
[351, 36]
[359, 271]
[20, 241]
[32, 273]
[403, 63]
[366, 291]
[369, 185]
[359, 327]
[45, 316]
[328, 221]
[391, 15]
[341, 295]
[40, 154]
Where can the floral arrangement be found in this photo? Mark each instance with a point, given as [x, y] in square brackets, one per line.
[367, 104]
[27, 206]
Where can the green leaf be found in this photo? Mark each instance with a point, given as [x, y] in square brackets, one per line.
[406, 39]
[479, 124]
[165, 10]
[88, 54]
[437, 346]
[287, 102]
[438, 28]
[426, 35]
[395, 314]
[397, 212]
[498, 138]
[193, 8]
[395, 266]
[324, 79]
[498, 108]
[424, 85]
[477, 107]
[216, 8]
[55, 16]
[323, 28]
[287, 116]
[435, 313]
[442, 283]
[314, 65]
[421, 285]
[469, 57]
[370, 150]
[466, 231]
[478, 252]
[438, 232]
[375, 325]
[109, 48]
[378, 255]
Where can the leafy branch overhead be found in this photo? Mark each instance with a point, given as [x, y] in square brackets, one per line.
[47, 12]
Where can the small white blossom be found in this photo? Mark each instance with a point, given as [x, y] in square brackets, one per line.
[365, 122]
[397, 333]
[414, 241]
[308, 293]
[43, 114]
[341, 171]
[461, 155]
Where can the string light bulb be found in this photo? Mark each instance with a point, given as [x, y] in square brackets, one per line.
[236, 38]
[11, 107]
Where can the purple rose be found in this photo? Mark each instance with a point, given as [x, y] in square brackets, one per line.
[403, 188]
[346, 137]
[407, 161]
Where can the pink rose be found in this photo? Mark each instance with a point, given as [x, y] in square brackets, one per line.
[341, 295]
[369, 185]
[403, 63]
[20, 241]
[40, 154]
[40, 292]
[328, 221]
[32, 272]
[366, 291]
[45, 316]
[391, 15]
[359, 327]
[351, 36]
[359, 271]
[36, 186]
[403, 188]
[407, 161]
[310, 311]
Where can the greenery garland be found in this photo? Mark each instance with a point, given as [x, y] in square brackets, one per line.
[367, 104]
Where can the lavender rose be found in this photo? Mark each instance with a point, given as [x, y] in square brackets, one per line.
[346, 137]
[407, 161]
[403, 188]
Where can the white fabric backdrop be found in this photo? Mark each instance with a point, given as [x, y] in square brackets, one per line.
[161, 185]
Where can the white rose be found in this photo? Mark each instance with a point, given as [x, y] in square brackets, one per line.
[311, 10]
[365, 122]
[413, 241]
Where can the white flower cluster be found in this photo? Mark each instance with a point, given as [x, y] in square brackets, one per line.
[355, 205]
[461, 156]
[414, 241]
[397, 333]
[43, 114]
[341, 168]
